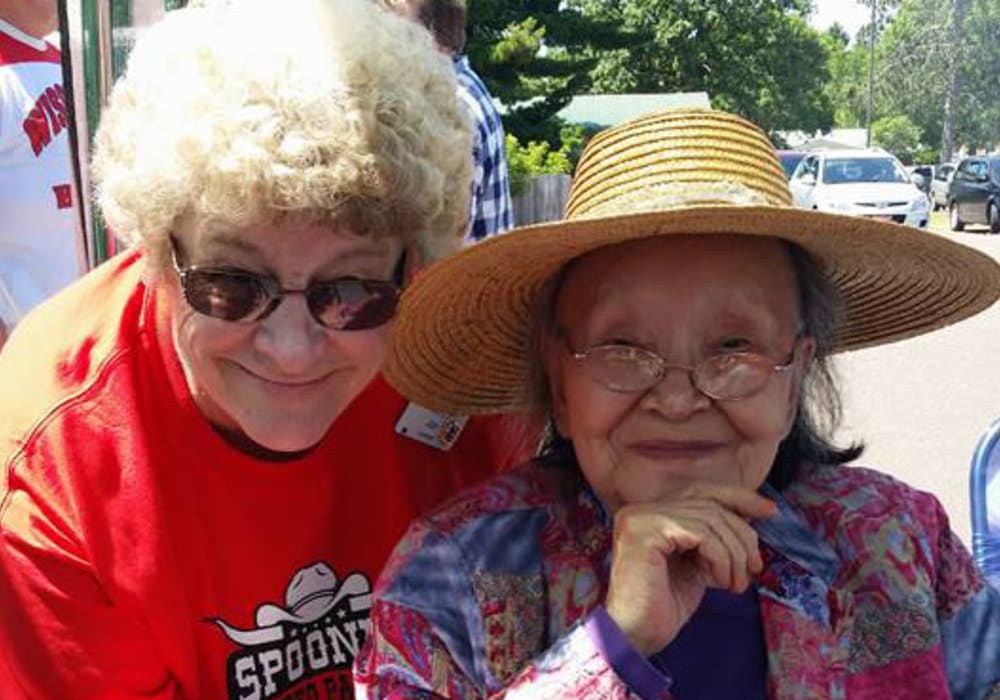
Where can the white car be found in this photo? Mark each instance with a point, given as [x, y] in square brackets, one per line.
[861, 183]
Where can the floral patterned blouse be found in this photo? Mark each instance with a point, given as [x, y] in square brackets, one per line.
[866, 593]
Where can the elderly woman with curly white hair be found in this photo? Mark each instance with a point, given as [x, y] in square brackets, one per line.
[202, 471]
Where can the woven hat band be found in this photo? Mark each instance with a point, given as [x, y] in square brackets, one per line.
[680, 195]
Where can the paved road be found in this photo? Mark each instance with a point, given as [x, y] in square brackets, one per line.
[921, 404]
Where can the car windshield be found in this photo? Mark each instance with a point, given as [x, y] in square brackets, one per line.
[789, 161]
[842, 170]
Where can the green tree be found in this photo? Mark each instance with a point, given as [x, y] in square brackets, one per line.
[534, 55]
[758, 58]
[534, 158]
[898, 135]
[848, 66]
[938, 65]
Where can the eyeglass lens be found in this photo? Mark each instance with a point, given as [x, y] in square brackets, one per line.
[346, 304]
[628, 369]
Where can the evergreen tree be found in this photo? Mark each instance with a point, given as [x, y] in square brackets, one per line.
[534, 55]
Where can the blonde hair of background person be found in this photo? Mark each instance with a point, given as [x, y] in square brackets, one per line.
[199, 463]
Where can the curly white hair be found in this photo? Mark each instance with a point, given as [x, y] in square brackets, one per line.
[243, 112]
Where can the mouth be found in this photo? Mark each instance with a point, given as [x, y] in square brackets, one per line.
[666, 450]
[288, 383]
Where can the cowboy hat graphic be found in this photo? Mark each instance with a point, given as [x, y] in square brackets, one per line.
[312, 593]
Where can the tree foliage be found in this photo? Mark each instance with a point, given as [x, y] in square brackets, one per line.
[898, 135]
[936, 63]
[534, 55]
[758, 58]
[846, 90]
[534, 158]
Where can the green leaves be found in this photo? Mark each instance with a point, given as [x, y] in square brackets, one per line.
[755, 57]
[534, 158]
[936, 64]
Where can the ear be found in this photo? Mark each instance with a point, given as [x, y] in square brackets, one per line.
[803, 359]
[415, 262]
[551, 356]
[806, 355]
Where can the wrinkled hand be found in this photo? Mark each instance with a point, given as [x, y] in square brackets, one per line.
[666, 554]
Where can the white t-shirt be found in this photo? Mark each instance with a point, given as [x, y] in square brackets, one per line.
[38, 242]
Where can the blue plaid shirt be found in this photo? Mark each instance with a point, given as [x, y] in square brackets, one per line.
[491, 209]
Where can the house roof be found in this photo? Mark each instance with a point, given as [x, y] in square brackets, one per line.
[608, 110]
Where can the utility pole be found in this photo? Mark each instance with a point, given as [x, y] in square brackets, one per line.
[954, 58]
[871, 73]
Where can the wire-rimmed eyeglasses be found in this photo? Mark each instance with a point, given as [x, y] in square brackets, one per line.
[723, 377]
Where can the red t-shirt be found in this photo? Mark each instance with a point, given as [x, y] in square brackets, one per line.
[143, 556]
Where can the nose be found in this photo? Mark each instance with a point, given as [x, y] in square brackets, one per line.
[675, 396]
[289, 339]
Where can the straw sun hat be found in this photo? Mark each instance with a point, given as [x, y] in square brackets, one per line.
[460, 341]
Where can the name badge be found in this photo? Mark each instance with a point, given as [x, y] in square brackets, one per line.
[438, 430]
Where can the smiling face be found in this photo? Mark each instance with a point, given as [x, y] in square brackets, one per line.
[684, 298]
[279, 382]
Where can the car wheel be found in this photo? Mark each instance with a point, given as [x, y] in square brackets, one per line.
[993, 217]
[953, 219]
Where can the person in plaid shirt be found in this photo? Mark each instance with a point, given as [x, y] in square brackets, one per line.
[491, 211]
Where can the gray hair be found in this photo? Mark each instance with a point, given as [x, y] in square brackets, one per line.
[819, 405]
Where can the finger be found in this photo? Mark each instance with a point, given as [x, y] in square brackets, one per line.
[740, 499]
[742, 542]
[716, 558]
[651, 528]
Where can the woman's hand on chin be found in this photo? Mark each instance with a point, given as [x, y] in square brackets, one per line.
[665, 554]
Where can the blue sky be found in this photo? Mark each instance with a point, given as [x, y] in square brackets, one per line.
[850, 14]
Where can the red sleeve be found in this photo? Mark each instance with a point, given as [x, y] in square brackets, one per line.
[60, 633]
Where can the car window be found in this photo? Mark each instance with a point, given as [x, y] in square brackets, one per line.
[806, 167]
[964, 170]
[845, 170]
[943, 172]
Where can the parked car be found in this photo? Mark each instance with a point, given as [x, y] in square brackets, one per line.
[790, 160]
[869, 183]
[974, 196]
[940, 185]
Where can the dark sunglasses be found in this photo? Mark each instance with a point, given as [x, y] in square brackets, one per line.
[343, 304]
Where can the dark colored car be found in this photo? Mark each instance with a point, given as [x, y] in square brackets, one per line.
[974, 195]
[790, 160]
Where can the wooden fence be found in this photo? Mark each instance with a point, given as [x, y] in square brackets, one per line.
[543, 199]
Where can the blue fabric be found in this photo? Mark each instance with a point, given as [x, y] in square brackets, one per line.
[720, 652]
[491, 208]
[974, 633]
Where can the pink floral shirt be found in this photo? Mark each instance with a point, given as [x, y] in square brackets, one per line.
[866, 593]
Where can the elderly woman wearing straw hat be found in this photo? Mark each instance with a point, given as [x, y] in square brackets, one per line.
[199, 474]
[689, 529]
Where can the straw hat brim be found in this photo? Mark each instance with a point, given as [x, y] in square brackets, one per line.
[460, 340]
